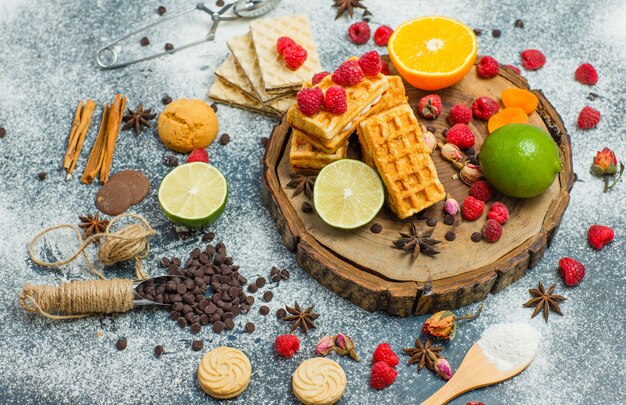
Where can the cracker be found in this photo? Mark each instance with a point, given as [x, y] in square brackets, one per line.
[228, 94]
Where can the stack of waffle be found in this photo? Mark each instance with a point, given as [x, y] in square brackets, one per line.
[254, 77]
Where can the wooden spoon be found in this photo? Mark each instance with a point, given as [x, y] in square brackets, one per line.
[474, 372]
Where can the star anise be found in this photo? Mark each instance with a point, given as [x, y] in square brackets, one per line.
[303, 319]
[544, 300]
[138, 119]
[417, 243]
[302, 183]
[347, 5]
[92, 224]
[423, 354]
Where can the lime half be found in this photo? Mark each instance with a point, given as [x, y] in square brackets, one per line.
[193, 194]
[348, 194]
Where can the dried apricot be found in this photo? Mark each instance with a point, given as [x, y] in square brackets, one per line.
[509, 115]
[524, 99]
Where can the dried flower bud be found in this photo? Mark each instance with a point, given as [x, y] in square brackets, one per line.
[451, 206]
[471, 173]
[605, 162]
[441, 325]
[325, 345]
[344, 345]
[442, 367]
[430, 140]
[451, 152]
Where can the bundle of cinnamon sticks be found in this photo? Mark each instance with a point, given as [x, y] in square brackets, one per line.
[80, 127]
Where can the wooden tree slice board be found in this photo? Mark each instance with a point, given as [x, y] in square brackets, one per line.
[366, 269]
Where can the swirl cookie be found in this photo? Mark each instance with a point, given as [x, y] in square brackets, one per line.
[224, 372]
[318, 381]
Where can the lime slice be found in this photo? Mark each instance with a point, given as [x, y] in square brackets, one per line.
[193, 194]
[348, 194]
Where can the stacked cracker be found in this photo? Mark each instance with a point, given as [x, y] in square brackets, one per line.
[254, 77]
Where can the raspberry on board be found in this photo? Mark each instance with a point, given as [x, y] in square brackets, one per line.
[359, 32]
[459, 114]
[472, 208]
[461, 135]
[492, 231]
[481, 190]
[487, 67]
[498, 212]
[429, 106]
[485, 107]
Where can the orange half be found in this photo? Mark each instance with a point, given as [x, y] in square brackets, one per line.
[433, 52]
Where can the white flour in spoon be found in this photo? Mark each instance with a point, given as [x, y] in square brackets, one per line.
[509, 345]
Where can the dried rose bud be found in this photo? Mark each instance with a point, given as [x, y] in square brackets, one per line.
[605, 162]
[442, 367]
[441, 325]
[451, 206]
[471, 173]
[344, 345]
[325, 345]
[451, 152]
[430, 140]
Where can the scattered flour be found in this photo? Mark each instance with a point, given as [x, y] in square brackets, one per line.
[509, 345]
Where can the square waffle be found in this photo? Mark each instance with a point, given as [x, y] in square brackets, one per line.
[403, 161]
[275, 75]
[228, 94]
[305, 157]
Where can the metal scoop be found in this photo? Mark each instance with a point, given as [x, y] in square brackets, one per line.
[107, 56]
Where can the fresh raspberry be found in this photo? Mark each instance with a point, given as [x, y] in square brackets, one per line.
[588, 118]
[533, 59]
[461, 135]
[283, 43]
[429, 106]
[475, 403]
[600, 235]
[488, 67]
[287, 345]
[383, 375]
[472, 208]
[335, 100]
[481, 190]
[294, 56]
[348, 73]
[498, 212]
[198, 155]
[492, 230]
[485, 107]
[318, 77]
[384, 353]
[572, 271]
[359, 32]
[370, 63]
[382, 34]
[514, 68]
[310, 100]
[459, 114]
[586, 74]
[384, 68]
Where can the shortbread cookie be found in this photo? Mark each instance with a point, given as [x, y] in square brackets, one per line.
[224, 372]
[318, 381]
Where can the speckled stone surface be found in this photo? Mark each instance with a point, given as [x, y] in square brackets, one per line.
[47, 65]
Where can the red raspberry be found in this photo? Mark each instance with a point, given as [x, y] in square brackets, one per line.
[498, 212]
[318, 77]
[335, 100]
[572, 271]
[359, 32]
[382, 34]
[384, 68]
[461, 135]
[429, 106]
[459, 114]
[198, 155]
[310, 100]
[370, 63]
[382, 375]
[600, 235]
[533, 59]
[294, 56]
[287, 345]
[514, 68]
[492, 231]
[481, 190]
[588, 118]
[586, 74]
[348, 74]
[485, 107]
[283, 43]
[475, 403]
[472, 208]
[487, 67]
[384, 353]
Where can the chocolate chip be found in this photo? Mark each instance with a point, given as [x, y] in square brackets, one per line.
[284, 273]
[249, 300]
[276, 277]
[196, 328]
[218, 327]
[197, 345]
[450, 236]
[224, 139]
[519, 23]
[42, 176]
[496, 33]
[230, 324]
[174, 315]
[158, 350]
[178, 306]
[219, 3]
[166, 100]
[307, 207]
[264, 141]
[208, 237]
[171, 161]
[431, 129]
[281, 313]
[448, 219]
[169, 47]
[444, 132]
[165, 262]
[472, 159]
[376, 228]
[250, 327]
[182, 322]
[421, 215]
[161, 10]
[267, 296]
[3, 132]
[264, 310]
[214, 107]
[432, 221]
[121, 344]
[144, 41]
[252, 288]
[476, 237]
[260, 282]
[478, 32]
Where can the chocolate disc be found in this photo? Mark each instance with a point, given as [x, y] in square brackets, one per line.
[113, 198]
[136, 181]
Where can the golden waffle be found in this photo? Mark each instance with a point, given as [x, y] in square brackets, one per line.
[403, 161]
[228, 94]
[275, 75]
[305, 157]
[325, 125]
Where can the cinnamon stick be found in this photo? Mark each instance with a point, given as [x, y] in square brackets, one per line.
[95, 157]
[112, 131]
[72, 138]
[81, 134]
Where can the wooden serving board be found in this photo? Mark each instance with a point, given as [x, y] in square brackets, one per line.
[366, 269]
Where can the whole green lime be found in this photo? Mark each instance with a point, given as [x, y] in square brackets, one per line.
[520, 160]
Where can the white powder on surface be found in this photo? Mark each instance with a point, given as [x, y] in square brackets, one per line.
[509, 345]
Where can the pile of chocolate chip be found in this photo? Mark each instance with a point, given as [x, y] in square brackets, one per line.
[210, 267]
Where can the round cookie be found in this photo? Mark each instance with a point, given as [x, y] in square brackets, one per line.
[113, 198]
[136, 181]
[224, 372]
[318, 381]
[187, 124]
